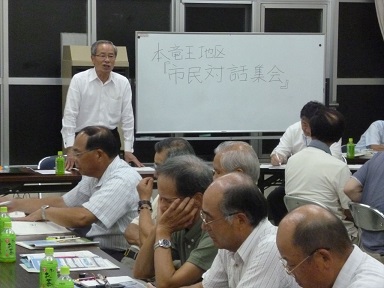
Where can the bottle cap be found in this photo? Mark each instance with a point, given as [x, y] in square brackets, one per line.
[7, 224]
[3, 209]
[64, 270]
[49, 250]
[60, 153]
[350, 139]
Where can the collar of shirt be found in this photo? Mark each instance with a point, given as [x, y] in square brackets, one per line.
[320, 145]
[107, 171]
[93, 76]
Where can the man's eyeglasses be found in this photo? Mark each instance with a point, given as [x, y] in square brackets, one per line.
[285, 264]
[204, 217]
[105, 56]
[79, 154]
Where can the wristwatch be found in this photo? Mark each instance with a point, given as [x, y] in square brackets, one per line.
[43, 211]
[164, 243]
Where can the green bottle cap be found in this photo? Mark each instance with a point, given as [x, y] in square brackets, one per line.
[49, 250]
[64, 270]
[3, 209]
[7, 224]
[350, 140]
[60, 153]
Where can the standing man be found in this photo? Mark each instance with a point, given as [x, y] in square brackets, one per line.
[105, 198]
[367, 186]
[234, 214]
[177, 234]
[295, 138]
[314, 174]
[316, 250]
[99, 96]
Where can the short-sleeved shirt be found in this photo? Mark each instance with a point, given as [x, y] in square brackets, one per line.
[374, 135]
[315, 175]
[371, 178]
[194, 246]
[255, 264]
[360, 270]
[112, 199]
[294, 140]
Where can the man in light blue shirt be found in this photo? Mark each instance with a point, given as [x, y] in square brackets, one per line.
[373, 137]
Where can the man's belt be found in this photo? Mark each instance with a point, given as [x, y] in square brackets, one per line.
[131, 253]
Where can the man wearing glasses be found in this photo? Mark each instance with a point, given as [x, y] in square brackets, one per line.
[105, 198]
[99, 96]
[317, 251]
[234, 214]
[177, 234]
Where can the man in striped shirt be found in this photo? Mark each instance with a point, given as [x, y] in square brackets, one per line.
[234, 214]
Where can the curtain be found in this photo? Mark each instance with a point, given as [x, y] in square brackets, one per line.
[380, 14]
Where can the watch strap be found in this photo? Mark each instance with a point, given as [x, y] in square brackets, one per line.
[43, 208]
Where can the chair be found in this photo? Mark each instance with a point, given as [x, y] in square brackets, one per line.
[292, 202]
[47, 163]
[367, 217]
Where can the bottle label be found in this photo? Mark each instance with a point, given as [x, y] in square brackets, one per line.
[64, 284]
[7, 248]
[48, 273]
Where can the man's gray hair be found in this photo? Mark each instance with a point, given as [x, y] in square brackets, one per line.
[99, 42]
[239, 155]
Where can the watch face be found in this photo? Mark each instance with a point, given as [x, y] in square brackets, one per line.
[165, 243]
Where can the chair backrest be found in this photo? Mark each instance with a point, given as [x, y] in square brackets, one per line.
[292, 202]
[47, 163]
[367, 217]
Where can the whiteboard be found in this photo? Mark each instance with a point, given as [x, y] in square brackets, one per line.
[220, 82]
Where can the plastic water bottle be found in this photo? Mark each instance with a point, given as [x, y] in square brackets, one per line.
[60, 163]
[4, 217]
[48, 269]
[64, 281]
[350, 149]
[7, 244]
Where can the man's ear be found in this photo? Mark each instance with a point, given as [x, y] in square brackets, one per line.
[198, 197]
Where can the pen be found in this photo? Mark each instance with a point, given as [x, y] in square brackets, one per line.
[66, 239]
[61, 237]
[278, 158]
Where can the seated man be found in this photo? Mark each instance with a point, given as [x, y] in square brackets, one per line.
[177, 234]
[233, 156]
[317, 252]
[234, 214]
[138, 230]
[367, 186]
[295, 138]
[373, 137]
[314, 174]
[105, 198]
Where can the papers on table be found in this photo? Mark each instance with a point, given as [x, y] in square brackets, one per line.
[50, 172]
[33, 228]
[66, 241]
[75, 260]
[270, 166]
[127, 281]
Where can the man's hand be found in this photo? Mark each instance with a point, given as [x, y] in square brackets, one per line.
[70, 159]
[129, 157]
[276, 159]
[180, 215]
[33, 217]
[145, 188]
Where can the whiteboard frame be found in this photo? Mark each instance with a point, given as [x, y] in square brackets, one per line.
[137, 94]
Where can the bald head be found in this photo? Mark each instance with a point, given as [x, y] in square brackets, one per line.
[237, 192]
[238, 156]
[310, 227]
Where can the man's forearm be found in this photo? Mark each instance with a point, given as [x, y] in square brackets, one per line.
[144, 264]
[145, 224]
[30, 205]
[131, 234]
